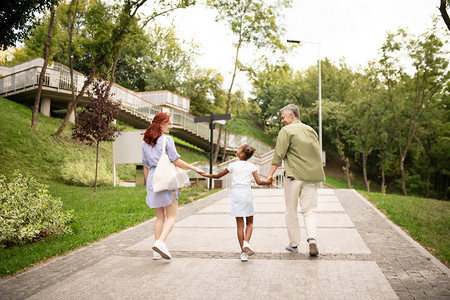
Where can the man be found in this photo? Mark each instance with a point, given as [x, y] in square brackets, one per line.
[298, 146]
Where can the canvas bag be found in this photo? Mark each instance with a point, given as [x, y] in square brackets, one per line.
[167, 176]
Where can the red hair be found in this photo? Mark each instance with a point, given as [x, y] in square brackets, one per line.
[153, 131]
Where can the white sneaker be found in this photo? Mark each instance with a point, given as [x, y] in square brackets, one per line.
[156, 255]
[244, 256]
[247, 249]
[313, 250]
[161, 248]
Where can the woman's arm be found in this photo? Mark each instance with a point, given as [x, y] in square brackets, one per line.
[259, 181]
[146, 173]
[184, 165]
[218, 175]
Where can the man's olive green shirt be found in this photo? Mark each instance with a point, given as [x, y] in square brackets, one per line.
[298, 145]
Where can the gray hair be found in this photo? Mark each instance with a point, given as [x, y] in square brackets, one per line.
[291, 108]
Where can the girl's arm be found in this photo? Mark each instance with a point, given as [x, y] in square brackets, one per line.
[184, 165]
[218, 175]
[259, 181]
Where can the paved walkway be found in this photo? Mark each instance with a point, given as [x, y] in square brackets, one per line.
[362, 256]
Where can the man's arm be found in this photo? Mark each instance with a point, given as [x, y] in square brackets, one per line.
[272, 170]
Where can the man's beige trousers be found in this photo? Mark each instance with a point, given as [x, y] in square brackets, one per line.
[304, 193]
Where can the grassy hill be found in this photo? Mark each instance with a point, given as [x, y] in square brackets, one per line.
[42, 156]
[250, 128]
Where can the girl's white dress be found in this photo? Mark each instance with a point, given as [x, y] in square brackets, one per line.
[241, 191]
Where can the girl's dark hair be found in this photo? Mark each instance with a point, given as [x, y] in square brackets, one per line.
[153, 131]
[248, 151]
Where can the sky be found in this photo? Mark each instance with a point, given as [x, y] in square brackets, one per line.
[349, 29]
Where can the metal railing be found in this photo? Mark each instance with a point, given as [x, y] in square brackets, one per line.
[59, 78]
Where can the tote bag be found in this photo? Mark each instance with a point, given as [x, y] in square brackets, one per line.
[167, 176]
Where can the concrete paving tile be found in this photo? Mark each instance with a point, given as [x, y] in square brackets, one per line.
[278, 199]
[263, 220]
[142, 278]
[326, 192]
[272, 207]
[273, 240]
[265, 192]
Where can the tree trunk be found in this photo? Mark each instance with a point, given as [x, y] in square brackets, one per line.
[236, 60]
[96, 168]
[74, 104]
[443, 10]
[346, 168]
[70, 24]
[216, 150]
[37, 99]
[366, 182]
[402, 172]
[383, 179]
[347, 171]
[225, 146]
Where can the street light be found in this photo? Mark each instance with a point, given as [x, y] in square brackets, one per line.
[320, 92]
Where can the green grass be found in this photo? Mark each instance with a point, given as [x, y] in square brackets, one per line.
[250, 128]
[340, 183]
[426, 220]
[42, 156]
[96, 215]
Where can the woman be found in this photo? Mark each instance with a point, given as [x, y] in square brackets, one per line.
[165, 203]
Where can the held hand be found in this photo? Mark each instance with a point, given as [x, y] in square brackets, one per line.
[199, 171]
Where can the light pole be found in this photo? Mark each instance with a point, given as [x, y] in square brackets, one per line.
[320, 91]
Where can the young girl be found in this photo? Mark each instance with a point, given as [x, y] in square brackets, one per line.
[241, 195]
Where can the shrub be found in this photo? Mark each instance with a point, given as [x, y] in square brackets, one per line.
[82, 173]
[28, 211]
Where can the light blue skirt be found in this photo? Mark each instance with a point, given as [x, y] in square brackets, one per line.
[242, 201]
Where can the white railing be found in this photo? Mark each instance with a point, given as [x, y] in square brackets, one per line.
[59, 79]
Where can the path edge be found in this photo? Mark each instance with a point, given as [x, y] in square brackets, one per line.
[416, 244]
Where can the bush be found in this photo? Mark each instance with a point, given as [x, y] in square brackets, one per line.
[82, 173]
[28, 211]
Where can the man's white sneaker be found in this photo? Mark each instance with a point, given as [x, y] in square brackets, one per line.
[313, 250]
[244, 256]
[247, 249]
[156, 255]
[160, 247]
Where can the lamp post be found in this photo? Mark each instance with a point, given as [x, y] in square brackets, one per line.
[320, 90]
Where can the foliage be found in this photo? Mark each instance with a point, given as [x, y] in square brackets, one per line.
[95, 120]
[15, 19]
[156, 60]
[81, 173]
[28, 211]
[204, 89]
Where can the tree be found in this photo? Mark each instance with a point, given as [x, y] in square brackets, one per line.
[15, 19]
[95, 120]
[253, 22]
[204, 88]
[156, 59]
[362, 108]
[109, 37]
[410, 96]
[37, 98]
